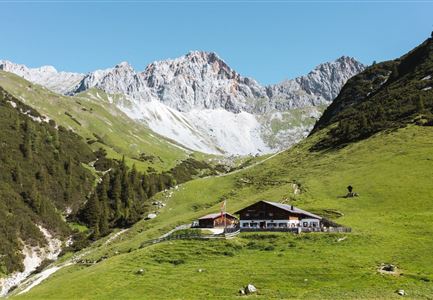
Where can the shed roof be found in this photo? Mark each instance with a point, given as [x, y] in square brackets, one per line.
[216, 215]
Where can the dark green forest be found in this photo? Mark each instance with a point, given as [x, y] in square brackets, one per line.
[121, 197]
[41, 176]
[385, 96]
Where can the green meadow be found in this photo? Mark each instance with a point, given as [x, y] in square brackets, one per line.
[391, 221]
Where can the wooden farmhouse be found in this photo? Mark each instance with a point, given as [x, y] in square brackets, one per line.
[217, 220]
[272, 215]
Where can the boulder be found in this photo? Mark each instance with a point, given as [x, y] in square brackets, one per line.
[140, 272]
[388, 268]
[401, 292]
[242, 292]
[250, 289]
[151, 216]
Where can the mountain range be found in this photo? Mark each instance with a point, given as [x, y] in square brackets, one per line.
[203, 104]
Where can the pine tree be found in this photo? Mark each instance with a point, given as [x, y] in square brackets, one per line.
[17, 125]
[17, 175]
[125, 195]
[133, 175]
[27, 143]
[380, 115]
[420, 104]
[68, 166]
[364, 122]
[35, 200]
[115, 192]
[103, 201]
[103, 219]
[91, 213]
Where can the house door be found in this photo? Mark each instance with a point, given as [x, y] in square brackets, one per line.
[263, 224]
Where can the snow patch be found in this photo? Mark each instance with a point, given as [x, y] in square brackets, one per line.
[427, 77]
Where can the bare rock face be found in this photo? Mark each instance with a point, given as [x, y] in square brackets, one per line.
[320, 86]
[204, 105]
[202, 80]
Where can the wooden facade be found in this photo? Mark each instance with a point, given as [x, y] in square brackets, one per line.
[263, 210]
[217, 220]
[265, 214]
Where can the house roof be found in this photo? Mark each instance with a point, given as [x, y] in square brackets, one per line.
[216, 215]
[290, 208]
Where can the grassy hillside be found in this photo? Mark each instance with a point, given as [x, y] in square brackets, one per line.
[41, 177]
[392, 222]
[91, 115]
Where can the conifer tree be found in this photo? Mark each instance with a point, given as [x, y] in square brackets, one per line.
[420, 103]
[27, 143]
[17, 175]
[35, 199]
[103, 203]
[17, 124]
[91, 213]
[364, 122]
[115, 193]
[133, 175]
[103, 218]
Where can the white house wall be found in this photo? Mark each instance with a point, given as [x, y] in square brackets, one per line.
[277, 222]
[310, 222]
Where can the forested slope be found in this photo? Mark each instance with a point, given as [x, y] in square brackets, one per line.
[41, 178]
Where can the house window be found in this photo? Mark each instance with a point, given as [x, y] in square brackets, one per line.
[305, 224]
[282, 225]
[254, 225]
[245, 225]
[271, 214]
[314, 224]
[271, 225]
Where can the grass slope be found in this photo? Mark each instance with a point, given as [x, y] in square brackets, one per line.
[92, 116]
[392, 222]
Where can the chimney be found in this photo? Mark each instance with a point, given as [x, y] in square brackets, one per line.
[291, 207]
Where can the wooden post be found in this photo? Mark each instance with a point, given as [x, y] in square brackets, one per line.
[225, 216]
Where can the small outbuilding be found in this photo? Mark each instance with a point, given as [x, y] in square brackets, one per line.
[217, 220]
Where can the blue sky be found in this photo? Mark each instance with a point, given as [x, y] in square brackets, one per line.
[269, 41]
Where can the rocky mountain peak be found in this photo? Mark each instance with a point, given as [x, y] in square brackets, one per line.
[124, 65]
[204, 104]
[47, 76]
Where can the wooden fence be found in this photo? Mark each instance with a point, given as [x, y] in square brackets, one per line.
[228, 234]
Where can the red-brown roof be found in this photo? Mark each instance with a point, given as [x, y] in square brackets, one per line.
[216, 215]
